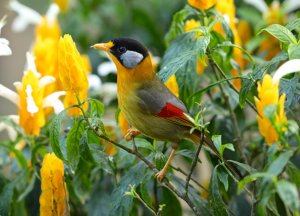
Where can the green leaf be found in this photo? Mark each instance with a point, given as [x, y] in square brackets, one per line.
[101, 159]
[289, 195]
[200, 202]
[177, 26]
[214, 198]
[223, 177]
[143, 143]
[294, 24]
[182, 50]
[96, 108]
[293, 173]
[186, 153]
[202, 90]
[28, 188]
[281, 33]
[119, 203]
[294, 51]
[246, 167]
[19, 155]
[85, 152]
[227, 30]
[54, 136]
[145, 195]
[73, 142]
[252, 177]
[160, 160]
[217, 140]
[277, 166]
[201, 45]
[229, 44]
[226, 146]
[81, 182]
[258, 71]
[6, 198]
[291, 87]
[172, 205]
[7, 192]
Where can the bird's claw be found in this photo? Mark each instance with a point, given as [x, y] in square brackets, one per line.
[131, 133]
[160, 176]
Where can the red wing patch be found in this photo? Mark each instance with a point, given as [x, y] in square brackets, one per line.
[176, 115]
[170, 111]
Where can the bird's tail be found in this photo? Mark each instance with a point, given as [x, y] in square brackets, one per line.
[197, 137]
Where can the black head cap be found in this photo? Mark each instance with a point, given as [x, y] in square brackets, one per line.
[122, 45]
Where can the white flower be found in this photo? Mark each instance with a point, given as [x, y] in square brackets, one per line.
[94, 82]
[11, 131]
[27, 15]
[30, 64]
[4, 48]
[288, 5]
[108, 92]
[51, 100]
[291, 5]
[258, 4]
[288, 67]
[106, 68]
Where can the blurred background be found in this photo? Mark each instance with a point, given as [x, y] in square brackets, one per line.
[88, 22]
[146, 21]
[93, 21]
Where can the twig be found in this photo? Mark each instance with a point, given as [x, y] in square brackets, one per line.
[149, 164]
[212, 62]
[194, 180]
[140, 156]
[194, 163]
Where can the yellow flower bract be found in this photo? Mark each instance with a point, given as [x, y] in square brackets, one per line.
[63, 4]
[31, 94]
[70, 66]
[72, 73]
[47, 29]
[191, 24]
[53, 199]
[202, 4]
[171, 83]
[268, 94]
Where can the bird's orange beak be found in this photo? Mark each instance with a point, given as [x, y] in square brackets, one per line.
[104, 46]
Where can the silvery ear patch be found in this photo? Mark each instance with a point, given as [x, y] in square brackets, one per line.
[131, 58]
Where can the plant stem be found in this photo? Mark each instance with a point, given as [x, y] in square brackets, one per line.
[212, 62]
[194, 163]
[184, 173]
[237, 132]
[141, 157]
[152, 167]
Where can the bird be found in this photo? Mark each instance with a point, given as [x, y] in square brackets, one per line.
[147, 104]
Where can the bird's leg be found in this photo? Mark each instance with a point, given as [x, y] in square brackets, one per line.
[131, 133]
[161, 174]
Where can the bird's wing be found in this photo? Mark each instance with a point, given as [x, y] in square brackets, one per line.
[156, 99]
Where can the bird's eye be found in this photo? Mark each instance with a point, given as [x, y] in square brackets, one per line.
[122, 49]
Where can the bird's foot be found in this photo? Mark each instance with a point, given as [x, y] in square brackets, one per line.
[131, 133]
[160, 175]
